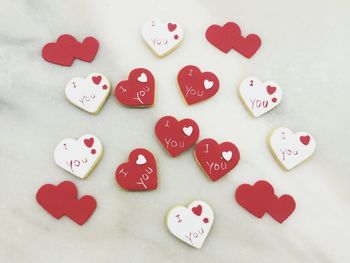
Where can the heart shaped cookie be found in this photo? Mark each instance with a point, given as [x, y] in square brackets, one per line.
[215, 159]
[176, 136]
[259, 97]
[139, 173]
[79, 157]
[290, 149]
[90, 93]
[191, 224]
[161, 37]
[138, 90]
[63, 200]
[195, 85]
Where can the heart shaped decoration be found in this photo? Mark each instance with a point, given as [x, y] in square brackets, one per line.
[260, 198]
[229, 37]
[176, 136]
[67, 48]
[139, 173]
[290, 149]
[259, 97]
[90, 93]
[161, 37]
[62, 200]
[195, 85]
[191, 224]
[215, 159]
[138, 90]
[79, 157]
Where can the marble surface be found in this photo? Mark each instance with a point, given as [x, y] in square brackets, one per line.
[305, 49]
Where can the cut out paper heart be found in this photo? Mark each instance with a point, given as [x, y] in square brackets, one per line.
[195, 85]
[139, 173]
[191, 224]
[290, 149]
[79, 157]
[174, 135]
[62, 200]
[260, 198]
[67, 48]
[213, 157]
[259, 97]
[161, 37]
[229, 37]
[138, 90]
[90, 93]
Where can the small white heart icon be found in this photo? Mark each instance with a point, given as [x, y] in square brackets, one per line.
[141, 160]
[142, 78]
[227, 155]
[188, 130]
[208, 84]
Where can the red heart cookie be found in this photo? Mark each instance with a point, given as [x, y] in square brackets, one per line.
[229, 37]
[196, 85]
[62, 200]
[139, 173]
[255, 197]
[216, 159]
[280, 208]
[138, 90]
[176, 136]
[67, 48]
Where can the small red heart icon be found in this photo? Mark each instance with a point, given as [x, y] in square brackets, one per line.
[206, 220]
[281, 208]
[104, 86]
[93, 151]
[305, 139]
[139, 173]
[176, 136]
[171, 27]
[197, 210]
[96, 79]
[274, 100]
[89, 142]
[176, 37]
[270, 90]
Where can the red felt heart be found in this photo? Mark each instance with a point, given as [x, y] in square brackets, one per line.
[138, 90]
[305, 139]
[211, 157]
[229, 37]
[281, 208]
[270, 90]
[171, 27]
[66, 48]
[62, 200]
[172, 134]
[96, 79]
[139, 173]
[194, 84]
[89, 142]
[197, 210]
[255, 197]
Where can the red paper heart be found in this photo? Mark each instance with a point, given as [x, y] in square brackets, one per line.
[96, 79]
[270, 90]
[197, 210]
[281, 208]
[62, 200]
[171, 134]
[89, 142]
[229, 37]
[191, 82]
[255, 197]
[135, 175]
[305, 139]
[66, 48]
[209, 155]
[137, 91]
[171, 27]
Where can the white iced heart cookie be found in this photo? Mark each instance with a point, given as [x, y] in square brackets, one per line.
[290, 149]
[161, 37]
[90, 93]
[259, 97]
[79, 157]
[191, 224]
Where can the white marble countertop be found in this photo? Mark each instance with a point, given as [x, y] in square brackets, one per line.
[305, 49]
